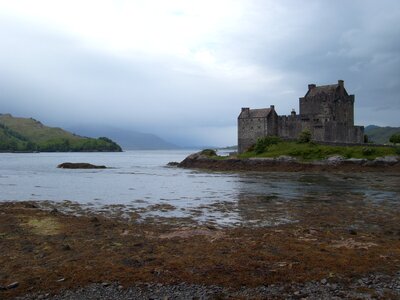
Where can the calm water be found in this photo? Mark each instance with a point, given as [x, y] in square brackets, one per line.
[140, 181]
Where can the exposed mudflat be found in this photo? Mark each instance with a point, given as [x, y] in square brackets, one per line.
[345, 249]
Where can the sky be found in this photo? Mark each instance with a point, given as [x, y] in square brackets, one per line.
[183, 69]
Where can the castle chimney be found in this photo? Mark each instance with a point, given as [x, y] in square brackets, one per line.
[340, 83]
[311, 86]
[272, 107]
[293, 113]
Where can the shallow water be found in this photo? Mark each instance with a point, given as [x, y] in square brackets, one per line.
[139, 181]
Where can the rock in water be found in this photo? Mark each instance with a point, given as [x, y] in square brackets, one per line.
[68, 165]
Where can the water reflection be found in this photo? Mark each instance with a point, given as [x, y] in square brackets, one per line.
[276, 198]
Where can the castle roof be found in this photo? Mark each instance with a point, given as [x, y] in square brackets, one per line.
[255, 113]
[322, 89]
[330, 89]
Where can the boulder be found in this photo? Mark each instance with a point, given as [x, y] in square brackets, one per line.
[384, 161]
[357, 161]
[335, 159]
[286, 158]
[68, 165]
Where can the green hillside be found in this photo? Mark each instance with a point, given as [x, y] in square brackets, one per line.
[22, 134]
[380, 135]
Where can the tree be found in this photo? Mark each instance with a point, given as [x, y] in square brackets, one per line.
[395, 138]
[263, 143]
[366, 139]
[305, 137]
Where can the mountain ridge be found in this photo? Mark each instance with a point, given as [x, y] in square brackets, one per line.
[380, 135]
[128, 139]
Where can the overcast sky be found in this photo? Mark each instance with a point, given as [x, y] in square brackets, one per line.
[183, 69]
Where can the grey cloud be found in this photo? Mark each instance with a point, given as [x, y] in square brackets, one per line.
[50, 76]
[54, 79]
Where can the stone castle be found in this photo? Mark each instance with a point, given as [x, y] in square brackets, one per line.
[326, 111]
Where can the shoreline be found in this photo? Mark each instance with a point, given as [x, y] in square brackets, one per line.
[325, 254]
[289, 164]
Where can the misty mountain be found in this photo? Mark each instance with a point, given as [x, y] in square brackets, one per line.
[128, 139]
[380, 135]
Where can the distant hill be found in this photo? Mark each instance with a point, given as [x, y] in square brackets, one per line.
[128, 139]
[23, 134]
[380, 135]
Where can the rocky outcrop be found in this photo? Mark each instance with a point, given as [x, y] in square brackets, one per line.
[68, 165]
[291, 164]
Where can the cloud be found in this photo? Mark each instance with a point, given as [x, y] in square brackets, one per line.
[183, 69]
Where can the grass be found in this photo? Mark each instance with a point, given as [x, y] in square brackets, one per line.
[34, 130]
[209, 152]
[313, 151]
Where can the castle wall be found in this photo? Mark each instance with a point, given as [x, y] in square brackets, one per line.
[289, 127]
[249, 131]
[338, 133]
[325, 108]
[272, 124]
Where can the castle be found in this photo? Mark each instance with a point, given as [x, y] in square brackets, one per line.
[327, 111]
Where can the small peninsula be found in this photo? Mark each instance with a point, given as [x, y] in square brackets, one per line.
[271, 154]
[30, 135]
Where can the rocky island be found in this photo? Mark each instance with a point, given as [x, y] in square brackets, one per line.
[68, 165]
[293, 157]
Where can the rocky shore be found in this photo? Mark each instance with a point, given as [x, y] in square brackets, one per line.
[383, 287]
[352, 251]
[290, 164]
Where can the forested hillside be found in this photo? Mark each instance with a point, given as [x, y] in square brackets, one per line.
[23, 134]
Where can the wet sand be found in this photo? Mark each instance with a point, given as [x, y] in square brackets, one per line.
[47, 250]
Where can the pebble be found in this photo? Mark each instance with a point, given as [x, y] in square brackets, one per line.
[13, 285]
[309, 290]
